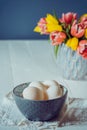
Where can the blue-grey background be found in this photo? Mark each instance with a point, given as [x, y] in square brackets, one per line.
[19, 17]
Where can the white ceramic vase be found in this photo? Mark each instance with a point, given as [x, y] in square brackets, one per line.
[70, 64]
[71, 71]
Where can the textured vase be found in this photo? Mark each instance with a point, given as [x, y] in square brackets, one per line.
[71, 65]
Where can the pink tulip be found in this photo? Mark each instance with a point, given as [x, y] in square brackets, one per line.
[42, 24]
[57, 37]
[82, 48]
[68, 17]
[84, 22]
[77, 29]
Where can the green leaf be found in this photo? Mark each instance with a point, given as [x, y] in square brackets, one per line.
[56, 50]
[55, 14]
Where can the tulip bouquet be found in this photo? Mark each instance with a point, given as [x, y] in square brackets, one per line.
[68, 30]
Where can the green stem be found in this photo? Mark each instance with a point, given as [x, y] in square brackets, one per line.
[56, 50]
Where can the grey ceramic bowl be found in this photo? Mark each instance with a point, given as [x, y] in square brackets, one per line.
[38, 110]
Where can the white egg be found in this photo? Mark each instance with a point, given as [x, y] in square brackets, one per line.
[49, 83]
[38, 84]
[33, 93]
[45, 96]
[54, 92]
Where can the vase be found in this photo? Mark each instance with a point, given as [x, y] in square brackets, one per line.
[71, 65]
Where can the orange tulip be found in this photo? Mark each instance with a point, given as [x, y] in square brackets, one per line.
[84, 21]
[77, 30]
[41, 26]
[57, 37]
[82, 48]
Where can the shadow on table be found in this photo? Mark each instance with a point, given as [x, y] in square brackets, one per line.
[75, 113]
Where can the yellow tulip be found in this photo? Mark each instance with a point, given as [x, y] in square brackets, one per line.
[84, 15]
[53, 27]
[86, 33]
[72, 43]
[37, 29]
[68, 43]
[51, 19]
[52, 24]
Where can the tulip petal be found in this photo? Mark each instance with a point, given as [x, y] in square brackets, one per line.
[37, 29]
[86, 33]
[53, 27]
[72, 43]
[51, 19]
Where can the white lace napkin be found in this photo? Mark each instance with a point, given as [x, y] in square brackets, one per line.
[74, 114]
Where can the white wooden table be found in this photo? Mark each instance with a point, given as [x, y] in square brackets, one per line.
[24, 61]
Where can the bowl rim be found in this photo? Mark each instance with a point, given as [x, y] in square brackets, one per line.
[20, 97]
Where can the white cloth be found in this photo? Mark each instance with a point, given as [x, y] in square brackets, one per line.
[74, 114]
